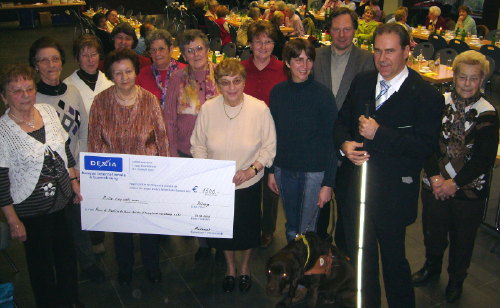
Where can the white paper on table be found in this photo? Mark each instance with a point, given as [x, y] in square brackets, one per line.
[157, 195]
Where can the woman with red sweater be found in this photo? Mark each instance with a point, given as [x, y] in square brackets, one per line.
[156, 77]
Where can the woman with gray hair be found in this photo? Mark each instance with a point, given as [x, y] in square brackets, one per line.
[434, 19]
[190, 88]
[456, 179]
[156, 77]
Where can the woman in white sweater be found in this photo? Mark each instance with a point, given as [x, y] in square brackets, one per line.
[47, 57]
[87, 50]
[236, 126]
[37, 178]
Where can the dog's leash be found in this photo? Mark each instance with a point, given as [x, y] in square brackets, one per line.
[302, 237]
[311, 220]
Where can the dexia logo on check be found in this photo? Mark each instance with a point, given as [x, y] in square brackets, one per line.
[104, 163]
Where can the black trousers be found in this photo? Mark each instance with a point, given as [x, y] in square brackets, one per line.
[454, 220]
[269, 208]
[390, 239]
[124, 251]
[51, 259]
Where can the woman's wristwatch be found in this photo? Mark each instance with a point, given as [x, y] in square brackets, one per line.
[254, 169]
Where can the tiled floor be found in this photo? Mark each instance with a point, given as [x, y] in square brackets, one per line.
[188, 284]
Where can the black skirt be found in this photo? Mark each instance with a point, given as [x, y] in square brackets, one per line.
[246, 227]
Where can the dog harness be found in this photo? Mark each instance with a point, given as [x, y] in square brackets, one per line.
[323, 265]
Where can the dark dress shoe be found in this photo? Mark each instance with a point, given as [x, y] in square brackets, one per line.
[245, 283]
[219, 257]
[228, 284]
[453, 291]
[202, 253]
[154, 277]
[430, 271]
[424, 275]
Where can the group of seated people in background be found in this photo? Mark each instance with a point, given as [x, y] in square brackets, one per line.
[276, 119]
[369, 12]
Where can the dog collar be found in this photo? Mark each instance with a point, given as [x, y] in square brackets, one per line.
[304, 240]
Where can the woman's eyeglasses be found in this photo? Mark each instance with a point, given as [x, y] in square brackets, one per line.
[47, 61]
[226, 83]
[197, 49]
[19, 92]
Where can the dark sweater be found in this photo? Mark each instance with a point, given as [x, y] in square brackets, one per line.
[481, 142]
[304, 115]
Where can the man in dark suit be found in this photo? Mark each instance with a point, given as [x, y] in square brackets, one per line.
[335, 67]
[398, 136]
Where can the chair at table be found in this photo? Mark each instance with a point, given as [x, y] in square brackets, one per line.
[233, 33]
[245, 54]
[438, 42]
[216, 44]
[309, 27]
[311, 16]
[315, 5]
[446, 54]
[492, 33]
[213, 29]
[487, 79]
[492, 52]
[229, 50]
[120, 10]
[459, 45]
[424, 48]
[388, 17]
[482, 30]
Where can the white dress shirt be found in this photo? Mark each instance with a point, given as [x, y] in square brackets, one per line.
[395, 83]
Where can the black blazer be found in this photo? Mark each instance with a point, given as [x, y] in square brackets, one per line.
[410, 122]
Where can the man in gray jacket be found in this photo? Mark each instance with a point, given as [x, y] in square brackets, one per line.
[335, 67]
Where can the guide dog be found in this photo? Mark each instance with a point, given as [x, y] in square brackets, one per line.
[315, 264]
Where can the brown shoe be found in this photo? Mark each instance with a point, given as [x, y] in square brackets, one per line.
[266, 240]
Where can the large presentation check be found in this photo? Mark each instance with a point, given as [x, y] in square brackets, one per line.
[157, 195]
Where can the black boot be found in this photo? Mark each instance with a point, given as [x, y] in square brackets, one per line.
[453, 290]
[430, 271]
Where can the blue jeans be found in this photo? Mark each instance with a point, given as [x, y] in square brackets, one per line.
[299, 192]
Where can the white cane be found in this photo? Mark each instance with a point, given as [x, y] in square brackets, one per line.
[362, 199]
[362, 204]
